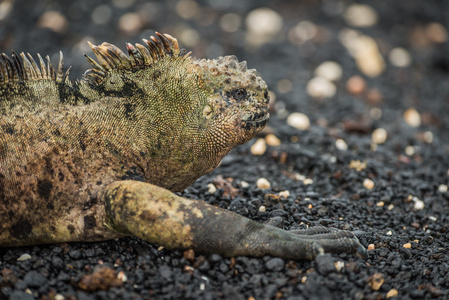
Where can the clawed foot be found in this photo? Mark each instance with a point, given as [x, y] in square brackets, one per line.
[333, 240]
[311, 242]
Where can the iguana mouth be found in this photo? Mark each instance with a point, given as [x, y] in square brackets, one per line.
[256, 120]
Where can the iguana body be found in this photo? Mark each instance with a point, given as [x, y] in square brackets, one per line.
[73, 155]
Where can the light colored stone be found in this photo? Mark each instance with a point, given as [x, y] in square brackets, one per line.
[360, 15]
[211, 188]
[263, 183]
[330, 70]
[365, 51]
[53, 20]
[24, 257]
[272, 140]
[302, 32]
[341, 144]
[368, 183]
[412, 117]
[298, 121]
[399, 57]
[436, 32]
[379, 136]
[230, 22]
[259, 147]
[392, 293]
[263, 24]
[356, 85]
[284, 194]
[319, 87]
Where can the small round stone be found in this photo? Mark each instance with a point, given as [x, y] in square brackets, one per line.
[419, 204]
[259, 147]
[341, 145]
[407, 245]
[360, 15]
[399, 57]
[379, 136]
[330, 70]
[24, 257]
[356, 85]
[319, 87]
[392, 293]
[284, 194]
[442, 188]
[263, 183]
[272, 140]
[264, 21]
[436, 32]
[368, 183]
[230, 22]
[412, 117]
[371, 247]
[298, 121]
[211, 188]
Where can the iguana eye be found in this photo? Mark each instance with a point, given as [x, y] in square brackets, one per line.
[238, 94]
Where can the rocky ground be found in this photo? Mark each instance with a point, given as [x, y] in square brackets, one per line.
[358, 141]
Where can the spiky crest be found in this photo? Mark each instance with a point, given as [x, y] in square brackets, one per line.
[13, 69]
[110, 57]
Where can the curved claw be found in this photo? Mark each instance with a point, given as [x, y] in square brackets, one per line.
[361, 252]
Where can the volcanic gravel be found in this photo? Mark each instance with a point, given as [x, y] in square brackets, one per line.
[393, 195]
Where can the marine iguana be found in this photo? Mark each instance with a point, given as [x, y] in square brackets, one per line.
[100, 158]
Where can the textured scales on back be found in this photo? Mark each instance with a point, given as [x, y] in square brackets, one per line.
[99, 158]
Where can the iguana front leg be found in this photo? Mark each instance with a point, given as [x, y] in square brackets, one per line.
[159, 216]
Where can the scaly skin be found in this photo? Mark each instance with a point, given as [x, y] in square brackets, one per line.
[74, 154]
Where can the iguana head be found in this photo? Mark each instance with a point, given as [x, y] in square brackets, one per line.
[189, 112]
[237, 99]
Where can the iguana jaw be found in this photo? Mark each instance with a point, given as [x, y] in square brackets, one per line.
[256, 120]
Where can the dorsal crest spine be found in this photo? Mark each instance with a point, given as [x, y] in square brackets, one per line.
[110, 57]
[14, 69]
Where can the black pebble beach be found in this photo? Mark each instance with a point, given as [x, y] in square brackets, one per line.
[374, 160]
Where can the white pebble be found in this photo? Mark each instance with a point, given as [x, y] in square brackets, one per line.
[365, 51]
[230, 22]
[412, 117]
[339, 265]
[272, 140]
[442, 188]
[330, 70]
[319, 87]
[399, 57]
[298, 121]
[264, 21]
[432, 218]
[419, 204]
[428, 137]
[368, 183]
[211, 188]
[307, 181]
[284, 194]
[122, 276]
[302, 32]
[262, 208]
[244, 184]
[409, 150]
[341, 145]
[263, 183]
[59, 297]
[379, 136]
[389, 232]
[259, 147]
[24, 257]
[360, 15]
